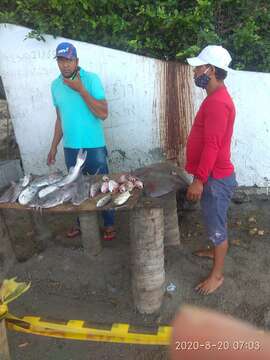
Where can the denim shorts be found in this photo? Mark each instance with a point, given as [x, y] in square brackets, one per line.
[216, 197]
[96, 160]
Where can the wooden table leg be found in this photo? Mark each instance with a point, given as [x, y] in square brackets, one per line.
[7, 256]
[171, 226]
[147, 258]
[90, 233]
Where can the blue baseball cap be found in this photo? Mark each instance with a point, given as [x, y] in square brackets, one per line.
[66, 50]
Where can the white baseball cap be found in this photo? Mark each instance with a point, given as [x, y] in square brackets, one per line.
[212, 54]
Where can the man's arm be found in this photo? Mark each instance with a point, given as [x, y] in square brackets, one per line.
[98, 107]
[58, 134]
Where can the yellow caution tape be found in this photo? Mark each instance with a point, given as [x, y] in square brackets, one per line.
[3, 311]
[78, 330]
[11, 290]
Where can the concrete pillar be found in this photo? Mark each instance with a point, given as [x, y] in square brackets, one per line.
[90, 233]
[42, 230]
[7, 257]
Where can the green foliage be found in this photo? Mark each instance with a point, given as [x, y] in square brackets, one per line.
[164, 29]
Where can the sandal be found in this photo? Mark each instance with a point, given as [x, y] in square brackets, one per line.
[109, 235]
[73, 232]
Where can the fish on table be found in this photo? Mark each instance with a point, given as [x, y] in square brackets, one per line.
[46, 180]
[104, 200]
[12, 193]
[75, 171]
[122, 198]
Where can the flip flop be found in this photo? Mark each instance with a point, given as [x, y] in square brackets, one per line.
[109, 235]
[73, 232]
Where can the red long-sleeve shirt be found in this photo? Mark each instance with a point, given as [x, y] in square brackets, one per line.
[208, 146]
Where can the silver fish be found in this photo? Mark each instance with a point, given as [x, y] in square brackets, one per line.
[122, 198]
[46, 180]
[81, 192]
[47, 190]
[57, 197]
[26, 180]
[20, 186]
[28, 194]
[113, 186]
[94, 189]
[12, 193]
[104, 200]
[105, 187]
[75, 171]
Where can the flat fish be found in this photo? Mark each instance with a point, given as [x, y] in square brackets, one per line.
[104, 200]
[122, 198]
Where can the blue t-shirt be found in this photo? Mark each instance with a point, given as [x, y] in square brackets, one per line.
[81, 128]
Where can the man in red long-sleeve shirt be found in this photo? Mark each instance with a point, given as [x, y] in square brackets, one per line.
[208, 156]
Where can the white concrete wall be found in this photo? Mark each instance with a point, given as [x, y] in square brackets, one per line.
[132, 88]
[251, 139]
[27, 68]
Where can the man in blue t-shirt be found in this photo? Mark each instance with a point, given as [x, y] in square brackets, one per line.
[80, 103]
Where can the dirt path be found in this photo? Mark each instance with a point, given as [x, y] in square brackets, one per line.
[66, 285]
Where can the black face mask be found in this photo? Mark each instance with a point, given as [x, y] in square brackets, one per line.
[202, 80]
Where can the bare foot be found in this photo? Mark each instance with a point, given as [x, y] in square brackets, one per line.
[208, 253]
[211, 284]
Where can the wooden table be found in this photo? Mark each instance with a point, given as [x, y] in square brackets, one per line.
[153, 222]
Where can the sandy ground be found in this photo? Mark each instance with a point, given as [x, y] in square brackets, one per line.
[66, 285]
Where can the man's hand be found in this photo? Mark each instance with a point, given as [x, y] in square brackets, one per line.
[75, 84]
[195, 190]
[51, 156]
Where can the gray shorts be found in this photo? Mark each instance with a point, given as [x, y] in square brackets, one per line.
[216, 197]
